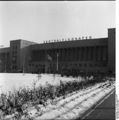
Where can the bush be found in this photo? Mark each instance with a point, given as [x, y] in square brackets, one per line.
[14, 102]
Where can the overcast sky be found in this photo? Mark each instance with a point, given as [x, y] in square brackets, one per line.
[39, 21]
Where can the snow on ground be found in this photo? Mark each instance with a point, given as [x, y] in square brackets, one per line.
[86, 105]
[11, 81]
[72, 106]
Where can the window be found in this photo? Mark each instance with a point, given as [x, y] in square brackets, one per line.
[90, 65]
[85, 65]
[80, 65]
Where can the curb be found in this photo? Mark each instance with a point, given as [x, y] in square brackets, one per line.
[93, 106]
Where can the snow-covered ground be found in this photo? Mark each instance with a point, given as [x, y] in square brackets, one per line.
[70, 107]
[11, 81]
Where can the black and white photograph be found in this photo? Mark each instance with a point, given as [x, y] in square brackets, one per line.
[58, 60]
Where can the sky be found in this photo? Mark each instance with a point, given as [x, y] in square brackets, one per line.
[39, 21]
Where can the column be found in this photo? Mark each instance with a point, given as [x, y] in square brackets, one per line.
[87, 52]
[84, 53]
[71, 54]
[91, 54]
[100, 52]
[79, 54]
[65, 54]
[94, 53]
[75, 54]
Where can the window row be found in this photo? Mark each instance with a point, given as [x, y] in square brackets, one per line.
[99, 53]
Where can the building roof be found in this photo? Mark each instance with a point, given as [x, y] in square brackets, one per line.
[5, 50]
[74, 43]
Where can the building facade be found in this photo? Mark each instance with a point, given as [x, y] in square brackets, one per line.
[72, 56]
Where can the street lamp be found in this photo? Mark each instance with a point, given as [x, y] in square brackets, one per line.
[57, 61]
[5, 62]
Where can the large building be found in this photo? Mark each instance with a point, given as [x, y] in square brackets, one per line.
[75, 55]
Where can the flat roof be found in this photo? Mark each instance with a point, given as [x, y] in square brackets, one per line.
[68, 44]
[4, 50]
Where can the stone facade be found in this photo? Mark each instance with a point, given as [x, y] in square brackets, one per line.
[87, 55]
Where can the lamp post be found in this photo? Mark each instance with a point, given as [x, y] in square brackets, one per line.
[57, 61]
[5, 62]
[24, 63]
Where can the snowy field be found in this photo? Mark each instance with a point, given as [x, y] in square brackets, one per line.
[12, 81]
[70, 107]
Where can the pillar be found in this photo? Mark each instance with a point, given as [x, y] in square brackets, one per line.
[111, 49]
